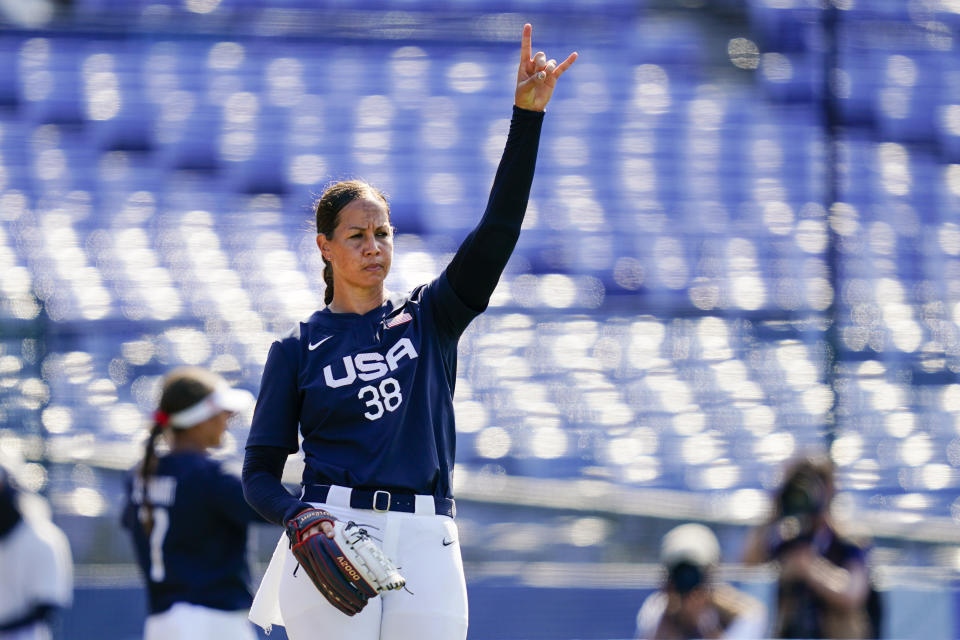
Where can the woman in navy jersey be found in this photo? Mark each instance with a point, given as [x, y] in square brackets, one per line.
[368, 383]
[188, 517]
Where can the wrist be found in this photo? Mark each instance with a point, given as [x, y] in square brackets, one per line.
[294, 511]
[530, 115]
[528, 109]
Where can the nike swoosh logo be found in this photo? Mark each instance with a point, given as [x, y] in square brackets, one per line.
[447, 543]
[314, 345]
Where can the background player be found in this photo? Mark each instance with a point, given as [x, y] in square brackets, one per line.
[188, 517]
[36, 569]
[370, 381]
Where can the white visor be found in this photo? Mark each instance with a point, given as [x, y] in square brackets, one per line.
[693, 543]
[223, 398]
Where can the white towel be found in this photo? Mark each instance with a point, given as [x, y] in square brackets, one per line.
[265, 610]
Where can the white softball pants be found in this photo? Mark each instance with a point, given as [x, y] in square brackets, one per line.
[426, 549]
[185, 621]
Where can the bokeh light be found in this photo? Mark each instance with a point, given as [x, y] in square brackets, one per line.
[709, 280]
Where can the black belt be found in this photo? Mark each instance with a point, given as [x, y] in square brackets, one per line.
[380, 500]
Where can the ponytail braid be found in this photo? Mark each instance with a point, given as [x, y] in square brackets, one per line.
[328, 281]
[183, 387]
[147, 469]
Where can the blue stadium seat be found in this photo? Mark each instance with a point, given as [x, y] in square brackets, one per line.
[661, 194]
[792, 77]
[784, 27]
[51, 89]
[9, 70]
[188, 136]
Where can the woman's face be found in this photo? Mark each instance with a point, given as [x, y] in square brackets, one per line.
[216, 427]
[361, 249]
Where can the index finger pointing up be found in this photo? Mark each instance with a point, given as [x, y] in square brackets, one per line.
[525, 44]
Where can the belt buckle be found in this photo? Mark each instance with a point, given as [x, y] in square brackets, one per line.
[376, 500]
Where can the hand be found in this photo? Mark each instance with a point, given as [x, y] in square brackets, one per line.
[537, 76]
[694, 613]
[796, 563]
[308, 523]
[695, 603]
[323, 527]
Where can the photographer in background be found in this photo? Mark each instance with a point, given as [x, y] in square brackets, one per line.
[823, 588]
[691, 603]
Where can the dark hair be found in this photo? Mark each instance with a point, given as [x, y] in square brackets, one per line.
[182, 388]
[806, 487]
[800, 503]
[328, 208]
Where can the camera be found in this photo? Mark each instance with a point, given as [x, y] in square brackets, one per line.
[801, 501]
[684, 577]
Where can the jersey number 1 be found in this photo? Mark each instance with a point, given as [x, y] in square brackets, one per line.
[384, 396]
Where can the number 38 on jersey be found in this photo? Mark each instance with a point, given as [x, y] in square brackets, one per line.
[383, 396]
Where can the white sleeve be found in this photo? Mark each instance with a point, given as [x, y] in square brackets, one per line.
[52, 580]
[650, 614]
[749, 625]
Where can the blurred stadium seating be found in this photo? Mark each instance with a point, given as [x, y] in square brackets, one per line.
[682, 313]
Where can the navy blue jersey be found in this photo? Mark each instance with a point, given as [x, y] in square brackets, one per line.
[372, 395]
[196, 552]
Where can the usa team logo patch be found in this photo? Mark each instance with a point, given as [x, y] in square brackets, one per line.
[398, 320]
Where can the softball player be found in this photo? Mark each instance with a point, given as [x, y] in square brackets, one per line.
[188, 517]
[36, 569]
[370, 381]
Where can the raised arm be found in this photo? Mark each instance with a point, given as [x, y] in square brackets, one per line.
[476, 268]
[537, 77]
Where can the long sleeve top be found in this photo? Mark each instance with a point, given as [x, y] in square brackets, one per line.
[372, 394]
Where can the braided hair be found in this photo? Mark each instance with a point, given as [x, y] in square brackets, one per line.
[182, 388]
[328, 208]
